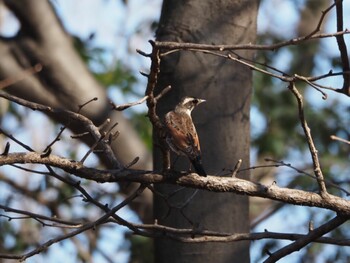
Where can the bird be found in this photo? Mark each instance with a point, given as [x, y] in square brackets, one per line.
[182, 137]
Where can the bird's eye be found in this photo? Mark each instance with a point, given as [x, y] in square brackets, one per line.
[195, 101]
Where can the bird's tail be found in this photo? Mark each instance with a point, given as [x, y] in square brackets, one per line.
[197, 164]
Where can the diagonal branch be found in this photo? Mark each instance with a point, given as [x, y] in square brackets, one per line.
[318, 27]
[128, 105]
[310, 142]
[85, 227]
[70, 117]
[303, 241]
[22, 75]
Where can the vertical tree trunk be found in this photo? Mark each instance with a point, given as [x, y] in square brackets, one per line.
[222, 122]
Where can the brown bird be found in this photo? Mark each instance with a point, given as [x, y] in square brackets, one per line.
[182, 136]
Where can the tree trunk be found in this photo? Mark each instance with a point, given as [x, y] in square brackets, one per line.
[222, 122]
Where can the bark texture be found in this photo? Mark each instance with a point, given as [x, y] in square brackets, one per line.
[222, 122]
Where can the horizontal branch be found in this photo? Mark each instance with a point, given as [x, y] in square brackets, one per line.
[272, 47]
[256, 236]
[57, 222]
[210, 183]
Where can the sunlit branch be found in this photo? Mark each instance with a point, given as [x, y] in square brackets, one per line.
[333, 137]
[310, 142]
[211, 183]
[128, 105]
[193, 46]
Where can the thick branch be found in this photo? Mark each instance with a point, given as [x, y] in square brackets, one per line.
[210, 183]
[342, 47]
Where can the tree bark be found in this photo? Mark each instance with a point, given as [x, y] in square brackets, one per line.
[222, 122]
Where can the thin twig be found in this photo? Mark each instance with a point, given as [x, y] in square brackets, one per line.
[333, 137]
[328, 182]
[310, 142]
[128, 105]
[176, 46]
[10, 136]
[72, 117]
[307, 239]
[314, 85]
[84, 228]
[20, 76]
[98, 142]
[152, 101]
[38, 217]
[236, 169]
[318, 27]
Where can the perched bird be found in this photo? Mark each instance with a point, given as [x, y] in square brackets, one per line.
[182, 136]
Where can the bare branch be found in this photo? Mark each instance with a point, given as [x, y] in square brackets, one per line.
[186, 46]
[128, 105]
[318, 27]
[328, 182]
[210, 183]
[72, 117]
[342, 47]
[310, 142]
[303, 241]
[83, 228]
[333, 137]
[314, 85]
[236, 169]
[40, 218]
[28, 148]
[152, 100]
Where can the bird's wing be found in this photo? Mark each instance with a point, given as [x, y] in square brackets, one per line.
[192, 135]
[183, 133]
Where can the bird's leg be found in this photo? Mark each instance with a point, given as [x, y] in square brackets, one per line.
[166, 160]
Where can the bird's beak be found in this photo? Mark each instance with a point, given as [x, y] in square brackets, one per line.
[200, 101]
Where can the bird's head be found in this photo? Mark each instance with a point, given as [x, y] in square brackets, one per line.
[187, 104]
